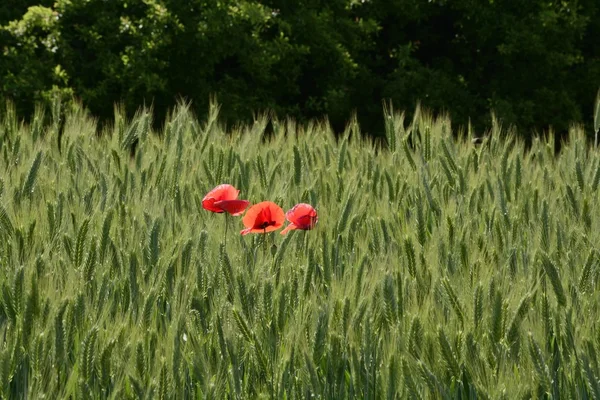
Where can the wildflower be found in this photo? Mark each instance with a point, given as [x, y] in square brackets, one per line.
[223, 198]
[302, 216]
[262, 218]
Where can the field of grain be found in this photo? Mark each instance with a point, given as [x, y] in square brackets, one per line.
[437, 269]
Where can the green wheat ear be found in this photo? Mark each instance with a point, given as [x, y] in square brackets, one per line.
[88, 356]
[390, 129]
[32, 176]
[421, 223]
[408, 154]
[512, 334]
[260, 166]
[346, 211]
[164, 384]
[579, 175]
[498, 316]
[6, 226]
[320, 337]
[545, 226]
[454, 301]
[539, 363]
[390, 301]
[552, 273]
[297, 166]
[342, 156]
[592, 381]
[308, 275]
[448, 356]
[80, 243]
[597, 117]
[434, 385]
[412, 391]
[104, 239]
[153, 244]
[596, 178]
[585, 281]
[478, 305]
[89, 269]
[5, 372]
[415, 337]
[409, 249]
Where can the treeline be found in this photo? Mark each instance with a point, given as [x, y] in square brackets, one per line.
[535, 63]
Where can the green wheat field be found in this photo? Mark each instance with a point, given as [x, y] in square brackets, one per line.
[439, 268]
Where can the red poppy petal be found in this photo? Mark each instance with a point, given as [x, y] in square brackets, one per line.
[263, 217]
[233, 207]
[299, 210]
[251, 215]
[223, 192]
[303, 215]
[288, 228]
[209, 204]
[278, 216]
[266, 213]
[306, 222]
[271, 228]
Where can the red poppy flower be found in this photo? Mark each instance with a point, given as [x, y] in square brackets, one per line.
[302, 216]
[223, 198]
[233, 207]
[263, 217]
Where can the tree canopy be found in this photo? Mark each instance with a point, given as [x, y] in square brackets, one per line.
[535, 64]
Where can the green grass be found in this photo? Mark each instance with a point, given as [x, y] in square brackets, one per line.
[438, 268]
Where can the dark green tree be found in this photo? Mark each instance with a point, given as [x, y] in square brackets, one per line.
[535, 64]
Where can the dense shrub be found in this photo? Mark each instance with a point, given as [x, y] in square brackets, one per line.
[535, 64]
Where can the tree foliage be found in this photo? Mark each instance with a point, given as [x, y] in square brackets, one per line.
[534, 64]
